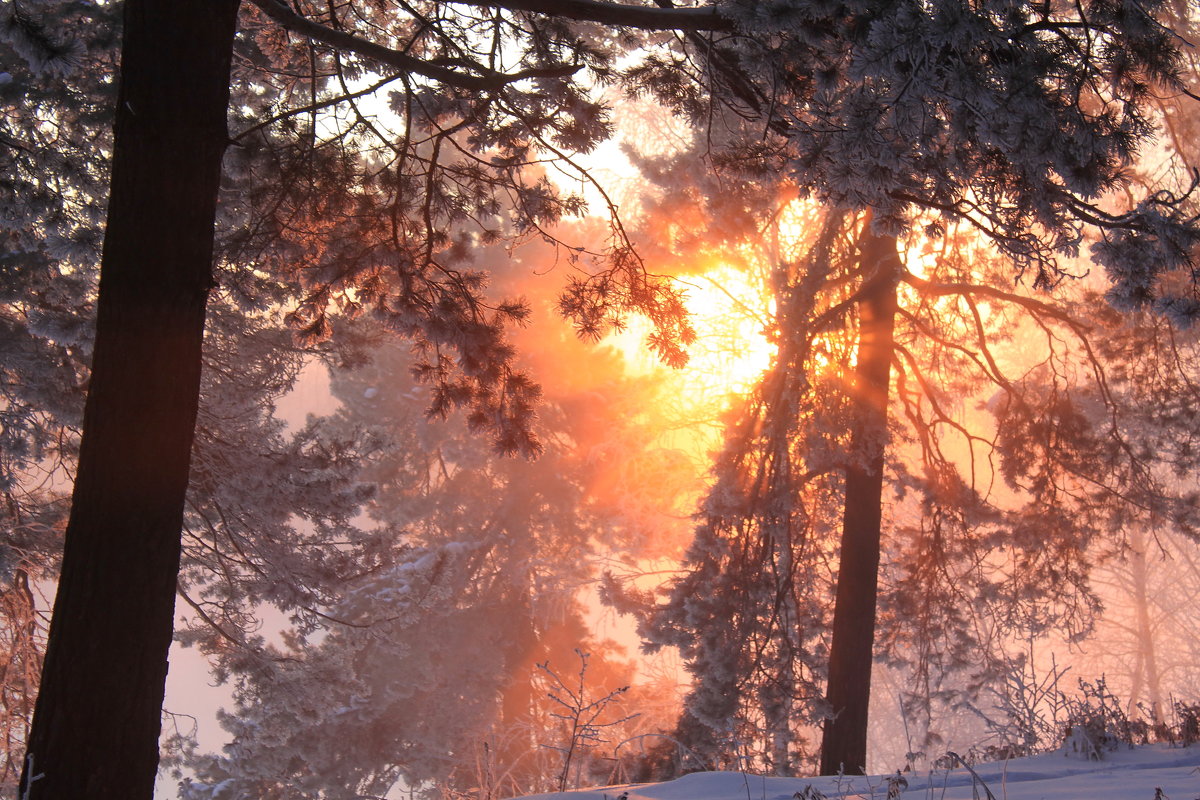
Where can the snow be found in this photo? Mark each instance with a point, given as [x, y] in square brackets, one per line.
[1152, 772]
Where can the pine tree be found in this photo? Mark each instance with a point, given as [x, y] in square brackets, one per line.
[121, 547]
[950, 603]
[425, 662]
[440, 305]
[932, 114]
[46, 272]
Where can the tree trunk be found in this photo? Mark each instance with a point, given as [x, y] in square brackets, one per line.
[97, 719]
[844, 747]
[1146, 679]
[777, 696]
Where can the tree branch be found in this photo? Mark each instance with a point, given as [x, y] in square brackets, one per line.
[485, 80]
[702, 18]
[939, 289]
[316, 106]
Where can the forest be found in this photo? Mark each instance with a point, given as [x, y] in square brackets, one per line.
[499, 398]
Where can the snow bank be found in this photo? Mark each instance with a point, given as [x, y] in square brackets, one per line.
[1134, 774]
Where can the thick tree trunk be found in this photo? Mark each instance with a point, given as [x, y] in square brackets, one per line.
[97, 719]
[844, 747]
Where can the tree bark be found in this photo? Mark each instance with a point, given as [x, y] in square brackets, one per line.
[844, 746]
[97, 719]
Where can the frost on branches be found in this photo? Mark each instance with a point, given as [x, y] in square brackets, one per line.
[1020, 118]
[1022, 122]
[52, 184]
[410, 657]
[1020, 453]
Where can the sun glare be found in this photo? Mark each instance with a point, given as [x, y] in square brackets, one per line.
[731, 311]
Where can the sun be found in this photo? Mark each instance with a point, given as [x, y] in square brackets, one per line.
[732, 311]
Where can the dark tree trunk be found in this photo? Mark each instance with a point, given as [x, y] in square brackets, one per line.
[97, 719]
[844, 747]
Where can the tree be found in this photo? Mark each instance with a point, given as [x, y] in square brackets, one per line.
[1003, 116]
[152, 307]
[49, 233]
[421, 665]
[1141, 645]
[853, 637]
[949, 603]
[121, 551]
[480, 378]
[122, 543]
[57, 122]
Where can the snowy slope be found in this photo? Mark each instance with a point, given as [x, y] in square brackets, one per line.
[1124, 775]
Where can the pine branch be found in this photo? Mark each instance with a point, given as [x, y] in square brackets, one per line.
[316, 106]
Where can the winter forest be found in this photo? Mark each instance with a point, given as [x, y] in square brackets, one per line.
[481, 399]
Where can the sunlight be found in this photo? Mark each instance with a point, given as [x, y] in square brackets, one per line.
[731, 314]
[731, 311]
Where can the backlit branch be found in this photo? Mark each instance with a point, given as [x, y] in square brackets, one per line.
[702, 18]
[484, 80]
[319, 105]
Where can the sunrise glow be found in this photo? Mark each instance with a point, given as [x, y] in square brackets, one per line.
[732, 312]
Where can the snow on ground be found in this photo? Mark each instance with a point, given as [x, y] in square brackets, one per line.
[1135, 774]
